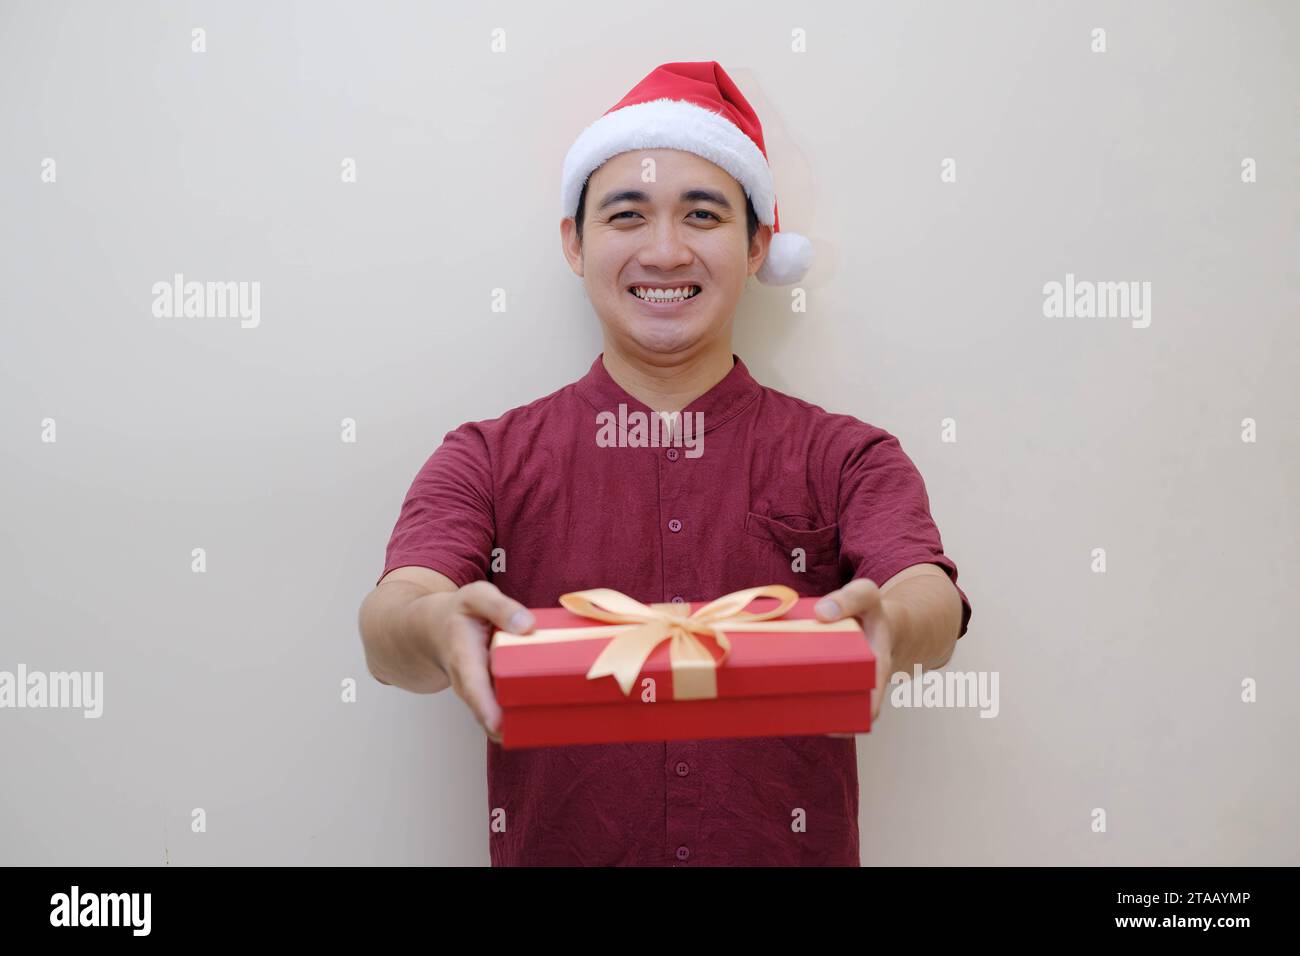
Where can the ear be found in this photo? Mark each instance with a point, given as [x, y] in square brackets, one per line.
[570, 244]
[758, 248]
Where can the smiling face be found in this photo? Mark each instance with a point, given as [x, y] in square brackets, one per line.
[644, 242]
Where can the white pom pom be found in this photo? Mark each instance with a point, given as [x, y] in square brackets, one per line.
[788, 257]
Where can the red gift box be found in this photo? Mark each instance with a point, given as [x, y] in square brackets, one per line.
[730, 673]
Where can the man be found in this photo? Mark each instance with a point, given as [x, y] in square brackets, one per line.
[669, 208]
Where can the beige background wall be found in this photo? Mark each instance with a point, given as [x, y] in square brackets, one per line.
[1119, 691]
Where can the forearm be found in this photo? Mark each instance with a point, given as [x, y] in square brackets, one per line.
[924, 614]
[395, 622]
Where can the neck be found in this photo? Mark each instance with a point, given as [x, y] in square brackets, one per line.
[668, 388]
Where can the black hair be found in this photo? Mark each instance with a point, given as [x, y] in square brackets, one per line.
[751, 217]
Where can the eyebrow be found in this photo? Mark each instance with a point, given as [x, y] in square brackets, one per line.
[690, 195]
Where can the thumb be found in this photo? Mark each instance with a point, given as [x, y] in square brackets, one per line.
[859, 597]
[484, 600]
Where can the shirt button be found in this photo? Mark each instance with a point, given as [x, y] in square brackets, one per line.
[672, 454]
[678, 599]
[682, 768]
[674, 526]
[683, 852]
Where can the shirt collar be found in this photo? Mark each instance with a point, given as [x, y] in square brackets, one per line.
[723, 402]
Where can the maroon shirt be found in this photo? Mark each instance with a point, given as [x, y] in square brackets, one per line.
[776, 473]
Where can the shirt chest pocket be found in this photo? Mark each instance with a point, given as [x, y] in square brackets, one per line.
[805, 558]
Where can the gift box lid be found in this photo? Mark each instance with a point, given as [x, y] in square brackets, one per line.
[761, 663]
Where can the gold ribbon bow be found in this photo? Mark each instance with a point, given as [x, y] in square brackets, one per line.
[638, 629]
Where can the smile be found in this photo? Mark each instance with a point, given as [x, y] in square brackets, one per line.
[664, 296]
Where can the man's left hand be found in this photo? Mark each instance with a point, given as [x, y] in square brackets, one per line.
[861, 599]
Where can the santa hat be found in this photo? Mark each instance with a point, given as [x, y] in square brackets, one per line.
[697, 108]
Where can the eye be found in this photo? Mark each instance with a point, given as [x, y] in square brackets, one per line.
[630, 212]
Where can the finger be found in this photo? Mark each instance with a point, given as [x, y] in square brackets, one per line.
[859, 596]
[840, 735]
[484, 600]
[472, 681]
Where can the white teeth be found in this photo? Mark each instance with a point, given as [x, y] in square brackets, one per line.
[664, 295]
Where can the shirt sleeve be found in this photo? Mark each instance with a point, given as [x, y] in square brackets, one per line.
[884, 516]
[446, 522]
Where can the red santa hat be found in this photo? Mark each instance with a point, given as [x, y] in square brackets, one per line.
[697, 108]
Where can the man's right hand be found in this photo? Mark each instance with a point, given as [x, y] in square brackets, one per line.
[461, 627]
[424, 634]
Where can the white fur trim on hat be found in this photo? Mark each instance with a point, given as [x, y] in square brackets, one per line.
[670, 124]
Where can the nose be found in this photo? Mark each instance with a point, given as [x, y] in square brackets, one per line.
[665, 247]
